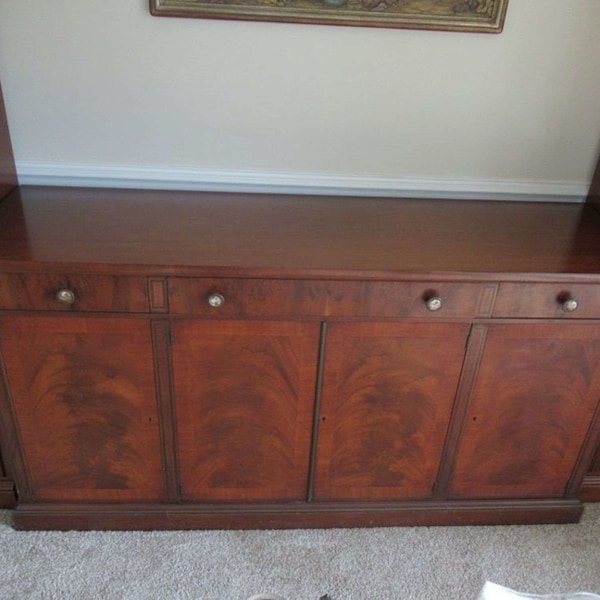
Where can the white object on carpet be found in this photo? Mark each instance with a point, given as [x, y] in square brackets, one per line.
[493, 591]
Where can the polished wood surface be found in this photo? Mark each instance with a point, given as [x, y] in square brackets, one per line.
[546, 300]
[216, 234]
[267, 297]
[323, 391]
[319, 298]
[533, 401]
[244, 405]
[97, 293]
[85, 407]
[387, 398]
[8, 172]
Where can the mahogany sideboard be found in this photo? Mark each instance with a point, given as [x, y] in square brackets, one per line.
[204, 360]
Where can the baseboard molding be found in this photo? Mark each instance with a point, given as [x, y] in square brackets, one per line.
[118, 176]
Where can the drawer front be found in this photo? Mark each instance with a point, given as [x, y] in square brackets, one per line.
[548, 300]
[430, 299]
[305, 298]
[264, 297]
[98, 293]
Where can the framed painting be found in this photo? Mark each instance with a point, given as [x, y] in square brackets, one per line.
[486, 16]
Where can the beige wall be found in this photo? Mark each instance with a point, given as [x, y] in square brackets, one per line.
[100, 90]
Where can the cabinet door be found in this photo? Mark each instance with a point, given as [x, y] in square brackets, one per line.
[244, 401]
[85, 407]
[531, 406]
[387, 398]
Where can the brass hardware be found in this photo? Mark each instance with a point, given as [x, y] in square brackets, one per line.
[434, 303]
[216, 300]
[65, 296]
[569, 304]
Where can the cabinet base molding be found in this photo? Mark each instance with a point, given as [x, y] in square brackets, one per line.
[171, 517]
[7, 494]
[590, 489]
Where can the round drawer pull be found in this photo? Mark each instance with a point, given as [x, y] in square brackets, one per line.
[570, 304]
[216, 300]
[65, 296]
[434, 303]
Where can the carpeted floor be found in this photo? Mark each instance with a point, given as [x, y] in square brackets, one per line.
[442, 563]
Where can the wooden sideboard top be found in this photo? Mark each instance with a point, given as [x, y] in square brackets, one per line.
[261, 235]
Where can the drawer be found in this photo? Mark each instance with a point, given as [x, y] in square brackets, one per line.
[430, 299]
[99, 293]
[548, 300]
[264, 297]
[298, 298]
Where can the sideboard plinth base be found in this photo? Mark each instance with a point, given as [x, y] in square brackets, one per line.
[280, 516]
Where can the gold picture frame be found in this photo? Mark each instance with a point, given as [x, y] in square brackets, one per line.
[484, 16]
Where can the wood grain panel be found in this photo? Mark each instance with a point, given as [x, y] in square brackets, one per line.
[85, 406]
[544, 300]
[244, 398]
[531, 407]
[37, 291]
[387, 398]
[297, 298]
[408, 299]
[267, 297]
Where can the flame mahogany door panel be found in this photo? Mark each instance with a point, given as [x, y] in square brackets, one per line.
[85, 407]
[244, 403]
[530, 409]
[387, 399]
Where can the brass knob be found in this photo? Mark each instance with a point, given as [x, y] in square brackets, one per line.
[216, 300]
[434, 303]
[65, 296]
[570, 304]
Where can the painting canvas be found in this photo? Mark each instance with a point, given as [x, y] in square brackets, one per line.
[486, 16]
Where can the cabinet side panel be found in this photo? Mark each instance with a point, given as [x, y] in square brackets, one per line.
[595, 466]
[244, 401]
[7, 487]
[530, 411]
[387, 399]
[8, 173]
[593, 197]
[85, 406]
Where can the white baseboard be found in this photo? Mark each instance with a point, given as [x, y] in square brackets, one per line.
[33, 173]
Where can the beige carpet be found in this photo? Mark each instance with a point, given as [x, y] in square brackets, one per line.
[441, 563]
